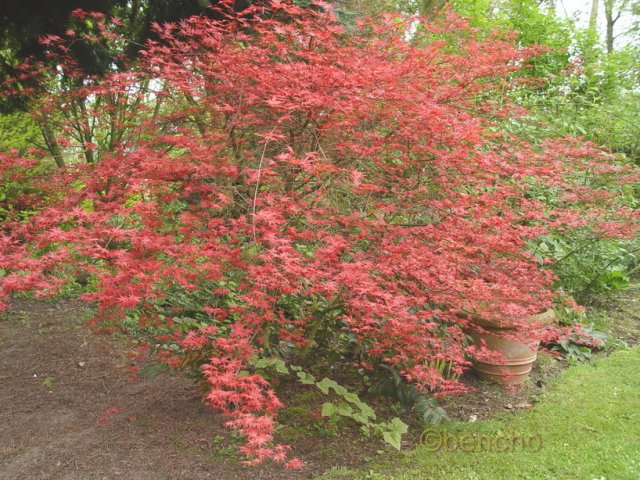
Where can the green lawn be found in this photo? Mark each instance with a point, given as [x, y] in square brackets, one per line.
[586, 426]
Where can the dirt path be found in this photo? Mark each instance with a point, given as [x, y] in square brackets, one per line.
[68, 412]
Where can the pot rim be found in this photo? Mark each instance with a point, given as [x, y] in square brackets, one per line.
[541, 319]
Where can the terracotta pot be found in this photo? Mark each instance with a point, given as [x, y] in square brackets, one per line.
[517, 355]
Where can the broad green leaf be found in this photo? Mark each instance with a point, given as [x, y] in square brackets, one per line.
[325, 384]
[306, 378]
[328, 409]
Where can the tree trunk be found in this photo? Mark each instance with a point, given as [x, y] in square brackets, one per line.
[52, 144]
[593, 18]
[611, 21]
[610, 24]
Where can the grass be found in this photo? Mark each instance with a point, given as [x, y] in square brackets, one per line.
[586, 426]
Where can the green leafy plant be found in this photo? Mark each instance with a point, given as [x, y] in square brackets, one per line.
[586, 264]
[350, 405]
[393, 385]
[48, 383]
[578, 343]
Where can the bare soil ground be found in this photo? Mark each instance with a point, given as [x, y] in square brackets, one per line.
[69, 410]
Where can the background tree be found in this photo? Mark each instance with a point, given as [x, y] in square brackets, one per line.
[593, 16]
[23, 23]
[613, 12]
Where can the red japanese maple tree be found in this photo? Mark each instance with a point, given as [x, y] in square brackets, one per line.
[324, 184]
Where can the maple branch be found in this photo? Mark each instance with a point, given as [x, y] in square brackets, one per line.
[255, 192]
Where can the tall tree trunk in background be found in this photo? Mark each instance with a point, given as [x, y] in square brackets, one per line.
[608, 13]
[52, 144]
[623, 6]
[593, 18]
[430, 7]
